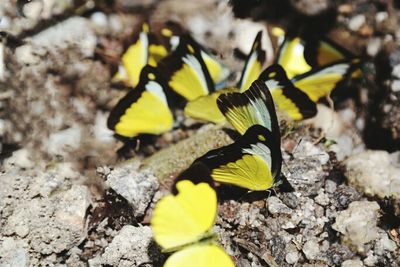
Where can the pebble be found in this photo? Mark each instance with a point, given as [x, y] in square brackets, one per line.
[352, 263]
[358, 223]
[275, 206]
[356, 22]
[311, 249]
[292, 257]
[138, 188]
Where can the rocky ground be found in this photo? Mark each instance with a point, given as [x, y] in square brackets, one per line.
[66, 198]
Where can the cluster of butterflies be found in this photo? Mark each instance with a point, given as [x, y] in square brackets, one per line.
[161, 76]
[182, 223]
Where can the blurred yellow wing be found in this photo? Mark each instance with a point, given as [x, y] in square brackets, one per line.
[218, 71]
[156, 53]
[200, 255]
[136, 56]
[321, 81]
[205, 107]
[253, 65]
[144, 110]
[185, 218]
[291, 57]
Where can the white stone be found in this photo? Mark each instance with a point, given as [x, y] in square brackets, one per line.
[138, 188]
[383, 181]
[311, 249]
[352, 263]
[358, 223]
[356, 22]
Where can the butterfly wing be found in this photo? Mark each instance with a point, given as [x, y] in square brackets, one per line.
[135, 57]
[289, 99]
[323, 52]
[253, 161]
[254, 106]
[253, 65]
[218, 71]
[185, 218]
[200, 255]
[321, 81]
[157, 51]
[186, 72]
[205, 107]
[143, 110]
[291, 57]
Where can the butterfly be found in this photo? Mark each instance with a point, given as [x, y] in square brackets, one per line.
[321, 81]
[174, 33]
[144, 110]
[290, 99]
[298, 56]
[205, 108]
[183, 224]
[145, 49]
[185, 70]
[254, 160]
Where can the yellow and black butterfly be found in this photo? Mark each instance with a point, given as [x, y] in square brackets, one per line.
[254, 160]
[320, 81]
[144, 110]
[185, 70]
[183, 224]
[145, 50]
[298, 56]
[173, 32]
[289, 99]
[205, 108]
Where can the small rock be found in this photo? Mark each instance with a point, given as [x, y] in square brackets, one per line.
[330, 186]
[352, 263]
[13, 253]
[358, 223]
[311, 249]
[371, 259]
[138, 188]
[20, 158]
[338, 253]
[344, 195]
[60, 142]
[128, 248]
[356, 22]
[322, 198]
[275, 206]
[373, 172]
[292, 257]
[374, 46]
[290, 199]
[395, 86]
[384, 244]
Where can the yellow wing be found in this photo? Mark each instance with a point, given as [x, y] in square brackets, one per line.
[289, 99]
[252, 162]
[144, 110]
[185, 218]
[186, 72]
[156, 53]
[219, 72]
[253, 65]
[136, 56]
[291, 57]
[200, 255]
[321, 81]
[205, 107]
[254, 106]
